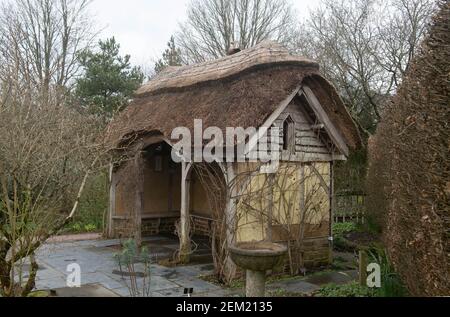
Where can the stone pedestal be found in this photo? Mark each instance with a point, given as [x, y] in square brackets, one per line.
[257, 258]
[255, 284]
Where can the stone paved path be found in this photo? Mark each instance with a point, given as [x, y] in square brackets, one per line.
[95, 258]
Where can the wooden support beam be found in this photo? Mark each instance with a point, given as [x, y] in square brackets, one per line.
[185, 240]
[302, 197]
[112, 202]
[332, 210]
[230, 218]
[269, 236]
[139, 169]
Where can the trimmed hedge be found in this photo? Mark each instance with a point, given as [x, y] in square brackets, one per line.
[408, 180]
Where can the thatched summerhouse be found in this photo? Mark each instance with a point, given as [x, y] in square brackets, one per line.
[262, 87]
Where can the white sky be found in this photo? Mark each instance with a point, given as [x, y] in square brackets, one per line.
[143, 27]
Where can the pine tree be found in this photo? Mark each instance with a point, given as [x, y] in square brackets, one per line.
[171, 57]
[109, 80]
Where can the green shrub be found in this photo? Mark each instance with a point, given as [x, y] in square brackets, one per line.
[391, 284]
[92, 208]
[340, 229]
[127, 261]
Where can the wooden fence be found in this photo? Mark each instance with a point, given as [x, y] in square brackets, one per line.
[349, 207]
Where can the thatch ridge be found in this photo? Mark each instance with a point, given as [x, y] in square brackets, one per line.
[266, 54]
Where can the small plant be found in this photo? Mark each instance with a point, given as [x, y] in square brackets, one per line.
[341, 229]
[90, 227]
[339, 232]
[391, 285]
[139, 281]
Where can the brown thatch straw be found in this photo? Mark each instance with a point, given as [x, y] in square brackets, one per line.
[240, 90]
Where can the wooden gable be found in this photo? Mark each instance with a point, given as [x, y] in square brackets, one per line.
[316, 138]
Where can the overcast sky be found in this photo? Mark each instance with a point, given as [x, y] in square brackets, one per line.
[143, 27]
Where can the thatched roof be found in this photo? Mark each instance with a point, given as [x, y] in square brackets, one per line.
[241, 90]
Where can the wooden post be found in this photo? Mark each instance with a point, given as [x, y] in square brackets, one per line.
[139, 167]
[362, 268]
[332, 211]
[185, 240]
[112, 202]
[230, 219]
[269, 236]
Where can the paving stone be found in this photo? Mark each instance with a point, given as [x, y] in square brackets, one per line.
[173, 292]
[159, 283]
[123, 291]
[216, 294]
[192, 270]
[101, 278]
[49, 273]
[91, 290]
[51, 283]
[198, 285]
[338, 278]
[171, 274]
[294, 286]
[106, 243]
[97, 265]
[112, 284]
[160, 270]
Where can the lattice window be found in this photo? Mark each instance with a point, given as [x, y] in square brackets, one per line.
[289, 135]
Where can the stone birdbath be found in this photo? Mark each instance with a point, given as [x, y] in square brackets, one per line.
[257, 258]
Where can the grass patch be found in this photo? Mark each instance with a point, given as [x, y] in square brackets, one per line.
[340, 229]
[347, 290]
[283, 293]
[340, 243]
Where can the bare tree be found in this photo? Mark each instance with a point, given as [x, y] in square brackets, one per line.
[42, 39]
[401, 33]
[213, 26]
[47, 152]
[364, 47]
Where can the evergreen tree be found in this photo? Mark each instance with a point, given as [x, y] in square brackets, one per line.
[109, 80]
[171, 57]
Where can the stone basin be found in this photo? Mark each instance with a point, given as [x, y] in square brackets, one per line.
[258, 256]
